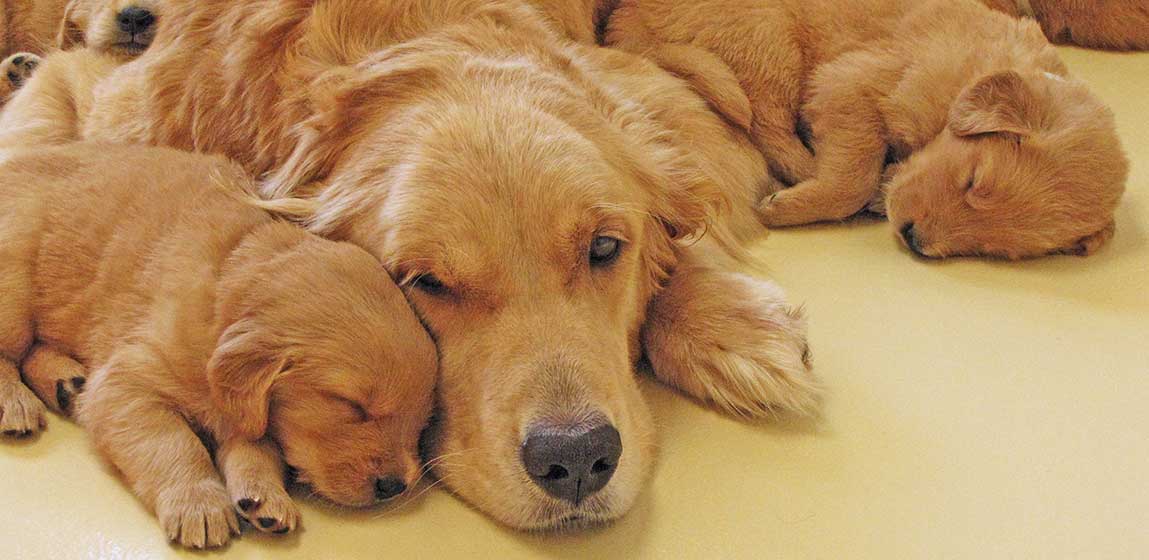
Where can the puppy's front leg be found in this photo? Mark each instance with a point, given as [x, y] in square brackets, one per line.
[164, 462]
[730, 339]
[254, 473]
[850, 141]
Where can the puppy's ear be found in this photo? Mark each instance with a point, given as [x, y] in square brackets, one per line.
[1091, 244]
[241, 373]
[709, 76]
[70, 34]
[1001, 103]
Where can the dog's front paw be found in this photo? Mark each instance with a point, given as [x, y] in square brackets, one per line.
[266, 505]
[197, 515]
[18, 68]
[21, 413]
[732, 340]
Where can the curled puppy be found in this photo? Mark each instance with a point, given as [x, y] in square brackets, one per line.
[998, 151]
[1102, 24]
[199, 314]
[122, 27]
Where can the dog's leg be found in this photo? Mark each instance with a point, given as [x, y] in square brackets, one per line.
[254, 473]
[162, 459]
[730, 339]
[851, 143]
[55, 377]
[21, 413]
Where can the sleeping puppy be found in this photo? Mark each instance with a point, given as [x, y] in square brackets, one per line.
[1103, 24]
[996, 150]
[123, 28]
[199, 315]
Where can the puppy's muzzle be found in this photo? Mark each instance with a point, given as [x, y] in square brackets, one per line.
[910, 238]
[572, 463]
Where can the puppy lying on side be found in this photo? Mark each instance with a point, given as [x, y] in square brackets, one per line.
[124, 28]
[197, 313]
[1101, 24]
[1001, 152]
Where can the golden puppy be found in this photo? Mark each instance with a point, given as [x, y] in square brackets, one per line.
[122, 28]
[1104, 24]
[198, 314]
[1001, 152]
[548, 235]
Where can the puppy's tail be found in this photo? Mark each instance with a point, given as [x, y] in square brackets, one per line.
[709, 76]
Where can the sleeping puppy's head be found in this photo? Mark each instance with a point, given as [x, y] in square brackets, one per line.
[1030, 165]
[123, 27]
[530, 230]
[323, 354]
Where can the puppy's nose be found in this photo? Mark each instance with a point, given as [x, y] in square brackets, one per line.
[388, 487]
[135, 19]
[911, 239]
[572, 463]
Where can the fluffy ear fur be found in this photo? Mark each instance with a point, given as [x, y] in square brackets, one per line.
[70, 34]
[1091, 244]
[341, 100]
[1001, 103]
[241, 373]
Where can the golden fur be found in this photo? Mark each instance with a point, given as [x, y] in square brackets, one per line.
[993, 149]
[198, 314]
[1104, 24]
[485, 207]
[30, 25]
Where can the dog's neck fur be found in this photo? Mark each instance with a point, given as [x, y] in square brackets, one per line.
[1025, 8]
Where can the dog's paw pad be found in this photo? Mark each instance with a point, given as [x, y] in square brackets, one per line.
[66, 392]
[271, 511]
[19, 67]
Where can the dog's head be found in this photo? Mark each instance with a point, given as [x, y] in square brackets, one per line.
[1029, 165]
[530, 229]
[323, 354]
[125, 27]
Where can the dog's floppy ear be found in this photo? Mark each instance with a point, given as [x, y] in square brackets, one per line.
[241, 373]
[70, 34]
[1091, 244]
[1000, 103]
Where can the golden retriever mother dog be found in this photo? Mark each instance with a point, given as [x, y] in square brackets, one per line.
[997, 151]
[540, 201]
[199, 315]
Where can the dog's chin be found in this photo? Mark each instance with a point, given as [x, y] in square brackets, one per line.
[129, 48]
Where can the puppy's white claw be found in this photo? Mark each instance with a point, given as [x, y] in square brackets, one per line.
[21, 412]
[198, 516]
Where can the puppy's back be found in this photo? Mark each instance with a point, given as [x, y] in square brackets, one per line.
[104, 227]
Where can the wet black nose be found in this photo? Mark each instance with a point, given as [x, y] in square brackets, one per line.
[572, 463]
[135, 19]
[388, 487]
[911, 239]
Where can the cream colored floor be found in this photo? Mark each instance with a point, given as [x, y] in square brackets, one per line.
[978, 410]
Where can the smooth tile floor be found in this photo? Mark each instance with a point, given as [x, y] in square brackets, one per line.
[978, 410]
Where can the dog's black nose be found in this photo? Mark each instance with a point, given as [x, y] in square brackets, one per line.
[135, 19]
[388, 487]
[572, 463]
[911, 239]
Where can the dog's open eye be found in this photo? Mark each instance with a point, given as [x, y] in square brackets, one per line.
[604, 250]
[429, 284]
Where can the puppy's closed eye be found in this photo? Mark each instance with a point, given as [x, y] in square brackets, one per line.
[357, 410]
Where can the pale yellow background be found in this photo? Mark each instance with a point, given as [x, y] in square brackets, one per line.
[978, 410]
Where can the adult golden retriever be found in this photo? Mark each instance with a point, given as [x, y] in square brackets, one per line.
[198, 313]
[540, 201]
[963, 123]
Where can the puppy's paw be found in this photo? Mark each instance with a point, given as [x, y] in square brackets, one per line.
[266, 505]
[21, 413]
[18, 68]
[66, 392]
[197, 515]
[736, 343]
[56, 378]
[789, 207]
